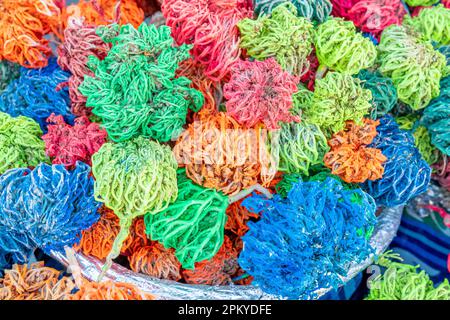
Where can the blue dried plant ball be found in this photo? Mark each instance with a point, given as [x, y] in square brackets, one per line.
[406, 173]
[314, 10]
[307, 240]
[436, 118]
[45, 208]
[384, 94]
[35, 94]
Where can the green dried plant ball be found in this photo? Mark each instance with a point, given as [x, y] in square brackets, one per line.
[281, 35]
[338, 97]
[433, 24]
[301, 145]
[412, 64]
[21, 145]
[193, 225]
[422, 3]
[422, 138]
[135, 177]
[341, 48]
[384, 94]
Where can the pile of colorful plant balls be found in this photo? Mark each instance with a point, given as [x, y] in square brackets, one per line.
[216, 142]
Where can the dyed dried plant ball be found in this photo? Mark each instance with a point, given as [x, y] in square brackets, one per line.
[301, 145]
[20, 143]
[412, 64]
[433, 23]
[219, 153]
[281, 35]
[350, 158]
[193, 225]
[314, 10]
[134, 89]
[47, 208]
[341, 48]
[384, 94]
[260, 92]
[338, 97]
[68, 144]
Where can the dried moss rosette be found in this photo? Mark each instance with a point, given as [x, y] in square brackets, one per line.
[350, 158]
[260, 92]
[341, 48]
[20, 143]
[308, 238]
[422, 138]
[384, 94]
[301, 145]
[134, 90]
[433, 23]
[413, 65]
[337, 98]
[133, 178]
[193, 225]
[402, 281]
[282, 35]
[314, 10]
[436, 118]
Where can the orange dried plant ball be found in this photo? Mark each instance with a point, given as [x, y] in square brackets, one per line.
[218, 153]
[109, 290]
[97, 241]
[156, 261]
[34, 282]
[350, 158]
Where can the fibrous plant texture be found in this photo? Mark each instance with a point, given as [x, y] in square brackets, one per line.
[373, 16]
[436, 118]
[309, 238]
[315, 10]
[67, 144]
[35, 282]
[20, 143]
[337, 98]
[260, 92]
[219, 153]
[301, 145]
[401, 281]
[412, 64]
[193, 225]
[38, 93]
[406, 173]
[102, 12]
[384, 94]
[341, 48]
[80, 42]
[133, 178]
[46, 208]
[350, 158]
[109, 290]
[281, 35]
[24, 25]
[8, 72]
[433, 23]
[210, 26]
[134, 90]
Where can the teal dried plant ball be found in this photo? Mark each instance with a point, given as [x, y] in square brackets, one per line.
[314, 10]
[384, 94]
